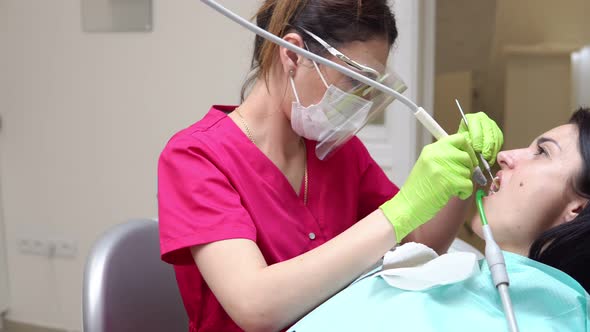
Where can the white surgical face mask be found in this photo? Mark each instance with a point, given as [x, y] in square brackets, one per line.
[338, 114]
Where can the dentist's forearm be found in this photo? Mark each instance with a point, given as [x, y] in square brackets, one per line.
[441, 230]
[259, 297]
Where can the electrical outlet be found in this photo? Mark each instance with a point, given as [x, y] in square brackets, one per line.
[66, 249]
[35, 247]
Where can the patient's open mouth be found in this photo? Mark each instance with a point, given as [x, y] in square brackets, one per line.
[495, 187]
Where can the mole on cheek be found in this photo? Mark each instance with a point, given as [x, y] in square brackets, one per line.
[521, 184]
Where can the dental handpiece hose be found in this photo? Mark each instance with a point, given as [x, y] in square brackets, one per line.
[427, 121]
[497, 265]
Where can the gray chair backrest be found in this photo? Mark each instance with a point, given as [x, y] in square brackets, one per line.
[126, 285]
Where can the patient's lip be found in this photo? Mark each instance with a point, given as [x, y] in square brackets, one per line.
[499, 176]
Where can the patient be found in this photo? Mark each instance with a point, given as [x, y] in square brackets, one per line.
[540, 218]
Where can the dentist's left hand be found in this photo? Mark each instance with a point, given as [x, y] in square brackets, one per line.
[484, 135]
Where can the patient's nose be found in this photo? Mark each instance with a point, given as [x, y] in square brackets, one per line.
[505, 159]
[511, 158]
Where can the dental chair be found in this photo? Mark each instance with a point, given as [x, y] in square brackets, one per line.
[126, 285]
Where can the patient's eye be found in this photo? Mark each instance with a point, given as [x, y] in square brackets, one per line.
[540, 150]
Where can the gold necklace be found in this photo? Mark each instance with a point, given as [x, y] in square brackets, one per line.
[305, 176]
[248, 132]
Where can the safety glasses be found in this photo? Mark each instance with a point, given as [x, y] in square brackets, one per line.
[357, 88]
[367, 71]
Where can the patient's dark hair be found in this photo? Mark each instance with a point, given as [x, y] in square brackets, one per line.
[567, 246]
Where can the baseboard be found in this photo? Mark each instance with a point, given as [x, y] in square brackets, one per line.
[10, 326]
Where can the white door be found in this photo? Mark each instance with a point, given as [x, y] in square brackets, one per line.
[395, 140]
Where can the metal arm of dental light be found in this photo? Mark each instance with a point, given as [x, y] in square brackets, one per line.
[427, 121]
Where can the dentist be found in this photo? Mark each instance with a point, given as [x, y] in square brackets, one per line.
[270, 208]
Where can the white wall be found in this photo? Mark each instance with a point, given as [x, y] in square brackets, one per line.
[85, 117]
[4, 292]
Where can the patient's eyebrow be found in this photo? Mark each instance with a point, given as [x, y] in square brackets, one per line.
[542, 140]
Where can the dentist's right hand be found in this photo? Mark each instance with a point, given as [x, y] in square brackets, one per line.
[442, 171]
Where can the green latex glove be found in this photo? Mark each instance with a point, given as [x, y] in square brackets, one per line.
[442, 171]
[485, 135]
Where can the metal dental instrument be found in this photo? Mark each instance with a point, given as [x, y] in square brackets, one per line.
[427, 121]
[496, 263]
[477, 172]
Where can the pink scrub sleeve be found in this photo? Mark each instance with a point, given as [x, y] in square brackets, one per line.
[197, 203]
[375, 188]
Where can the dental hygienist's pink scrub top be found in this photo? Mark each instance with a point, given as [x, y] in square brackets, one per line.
[215, 184]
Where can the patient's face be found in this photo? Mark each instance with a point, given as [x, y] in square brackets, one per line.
[535, 187]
